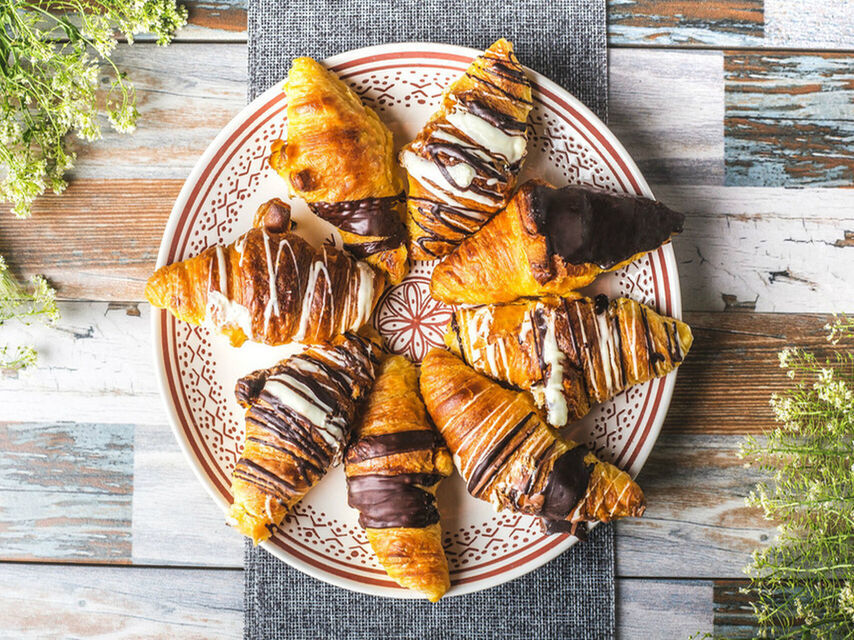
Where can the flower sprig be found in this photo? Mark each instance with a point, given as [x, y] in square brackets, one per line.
[50, 64]
[803, 585]
[18, 303]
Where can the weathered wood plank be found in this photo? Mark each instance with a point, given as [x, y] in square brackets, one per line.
[174, 519]
[663, 608]
[696, 524]
[65, 492]
[48, 601]
[765, 249]
[96, 367]
[733, 613]
[667, 108]
[789, 119]
[720, 23]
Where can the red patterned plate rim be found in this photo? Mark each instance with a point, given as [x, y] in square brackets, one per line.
[404, 56]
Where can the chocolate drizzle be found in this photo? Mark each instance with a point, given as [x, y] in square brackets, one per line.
[587, 225]
[496, 118]
[494, 457]
[394, 501]
[371, 217]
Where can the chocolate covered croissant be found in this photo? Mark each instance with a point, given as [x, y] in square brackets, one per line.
[339, 157]
[551, 241]
[463, 164]
[510, 457]
[393, 465]
[569, 353]
[299, 416]
[269, 286]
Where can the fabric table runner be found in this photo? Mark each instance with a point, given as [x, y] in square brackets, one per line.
[572, 597]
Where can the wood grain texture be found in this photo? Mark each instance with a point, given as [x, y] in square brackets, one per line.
[719, 23]
[175, 521]
[48, 601]
[789, 119]
[667, 108]
[696, 524]
[663, 608]
[65, 491]
[733, 613]
[764, 249]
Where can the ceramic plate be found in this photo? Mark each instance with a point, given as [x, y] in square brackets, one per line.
[197, 370]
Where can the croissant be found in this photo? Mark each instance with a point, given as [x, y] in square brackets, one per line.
[393, 465]
[510, 457]
[551, 242]
[569, 353]
[339, 157]
[269, 286]
[299, 416]
[464, 162]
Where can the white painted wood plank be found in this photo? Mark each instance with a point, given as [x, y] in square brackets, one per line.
[175, 521]
[809, 24]
[110, 603]
[778, 250]
[95, 366]
[663, 608]
[667, 108]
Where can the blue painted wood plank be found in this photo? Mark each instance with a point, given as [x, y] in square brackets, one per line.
[66, 491]
[721, 23]
[789, 119]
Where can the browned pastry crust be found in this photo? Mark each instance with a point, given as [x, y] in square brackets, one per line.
[339, 157]
[464, 162]
[551, 241]
[299, 416]
[511, 458]
[394, 465]
[570, 353]
[269, 286]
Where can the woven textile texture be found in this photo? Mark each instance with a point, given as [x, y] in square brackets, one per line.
[572, 597]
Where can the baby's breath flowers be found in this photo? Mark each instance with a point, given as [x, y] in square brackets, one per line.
[803, 585]
[51, 53]
[25, 306]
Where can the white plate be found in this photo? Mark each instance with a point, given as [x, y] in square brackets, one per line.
[197, 370]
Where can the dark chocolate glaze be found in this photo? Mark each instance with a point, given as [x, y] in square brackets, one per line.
[394, 501]
[501, 90]
[387, 444]
[455, 326]
[566, 484]
[587, 225]
[268, 481]
[652, 355]
[492, 459]
[600, 303]
[494, 117]
[463, 154]
[375, 217]
[500, 67]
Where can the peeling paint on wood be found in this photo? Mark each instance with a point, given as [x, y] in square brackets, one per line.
[733, 613]
[722, 23]
[789, 119]
[65, 492]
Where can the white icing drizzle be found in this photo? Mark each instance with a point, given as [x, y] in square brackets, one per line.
[510, 147]
[605, 340]
[283, 388]
[240, 246]
[427, 172]
[272, 274]
[221, 311]
[364, 295]
[220, 262]
[267, 508]
[554, 359]
[314, 272]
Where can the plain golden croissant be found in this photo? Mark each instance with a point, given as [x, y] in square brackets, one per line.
[393, 465]
[269, 286]
[339, 157]
[299, 416]
[551, 241]
[569, 353]
[510, 457]
[464, 162]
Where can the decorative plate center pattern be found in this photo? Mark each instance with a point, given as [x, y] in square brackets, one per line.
[198, 370]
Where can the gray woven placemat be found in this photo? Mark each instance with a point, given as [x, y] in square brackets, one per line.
[572, 597]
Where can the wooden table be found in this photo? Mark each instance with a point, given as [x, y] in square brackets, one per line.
[739, 112]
